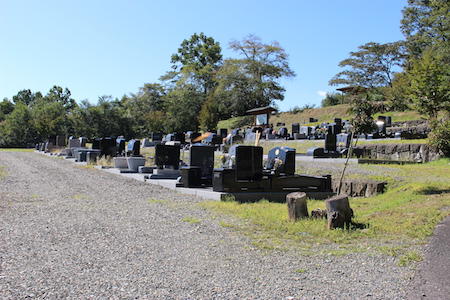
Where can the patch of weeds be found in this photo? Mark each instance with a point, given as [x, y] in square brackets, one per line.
[409, 257]
[80, 197]
[300, 271]
[226, 225]
[16, 149]
[3, 172]
[391, 251]
[156, 201]
[191, 220]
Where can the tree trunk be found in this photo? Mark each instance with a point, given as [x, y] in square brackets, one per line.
[339, 212]
[297, 208]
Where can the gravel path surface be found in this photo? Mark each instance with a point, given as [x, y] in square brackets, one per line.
[74, 232]
[432, 281]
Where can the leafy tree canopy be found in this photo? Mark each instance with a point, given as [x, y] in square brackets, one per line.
[425, 23]
[372, 66]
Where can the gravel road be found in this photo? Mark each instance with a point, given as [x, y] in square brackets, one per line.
[432, 280]
[77, 233]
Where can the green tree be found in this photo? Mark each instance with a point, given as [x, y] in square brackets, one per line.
[182, 106]
[429, 77]
[49, 118]
[6, 107]
[142, 108]
[252, 80]
[397, 95]
[27, 97]
[334, 99]
[208, 117]
[363, 108]
[58, 94]
[425, 23]
[372, 66]
[17, 130]
[196, 60]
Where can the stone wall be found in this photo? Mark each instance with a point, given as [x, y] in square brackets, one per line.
[405, 152]
[410, 132]
[359, 188]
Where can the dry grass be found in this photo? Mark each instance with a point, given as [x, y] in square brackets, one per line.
[323, 114]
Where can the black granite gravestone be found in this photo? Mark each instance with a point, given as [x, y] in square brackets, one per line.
[157, 136]
[60, 141]
[202, 156]
[107, 147]
[248, 161]
[96, 143]
[134, 148]
[223, 132]
[330, 142]
[167, 155]
[120, 144]
[213, 139]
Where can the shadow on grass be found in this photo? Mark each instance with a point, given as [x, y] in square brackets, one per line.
[358, 226]
[431, 190]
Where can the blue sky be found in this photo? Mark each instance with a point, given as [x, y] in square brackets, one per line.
[113, 47]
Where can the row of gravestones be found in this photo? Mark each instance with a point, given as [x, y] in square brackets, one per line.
[190, 137]
[299, 132]
[243, 170]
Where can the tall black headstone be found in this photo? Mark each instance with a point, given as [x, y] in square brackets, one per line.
[167, 155]
[248, 162]
[202, 156]
[223, 132]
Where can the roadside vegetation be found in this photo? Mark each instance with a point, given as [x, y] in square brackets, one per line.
[417, 198]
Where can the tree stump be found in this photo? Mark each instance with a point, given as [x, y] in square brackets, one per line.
[297, 208]
[339, 212]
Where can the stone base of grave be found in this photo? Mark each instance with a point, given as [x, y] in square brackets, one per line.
[120, 163]
[165, 174]
[146, 170]
[135, 162]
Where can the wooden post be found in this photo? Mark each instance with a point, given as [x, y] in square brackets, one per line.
[297, 208]
[339, 213]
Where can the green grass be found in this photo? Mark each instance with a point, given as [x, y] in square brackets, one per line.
[403, 216]
[156, 201]
[3, 172]
[409, 257]
[191, 220]
[16, 149]
[300, 271]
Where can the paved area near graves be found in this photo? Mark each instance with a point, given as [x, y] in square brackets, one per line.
[68, 231]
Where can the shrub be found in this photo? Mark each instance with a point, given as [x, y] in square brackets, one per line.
[440, 136]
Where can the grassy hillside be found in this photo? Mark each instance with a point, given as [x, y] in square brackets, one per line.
[323, 114]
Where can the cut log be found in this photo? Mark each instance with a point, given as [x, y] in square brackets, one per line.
[297, 207]
[339, 213]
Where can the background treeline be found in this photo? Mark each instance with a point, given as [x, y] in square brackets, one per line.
[413, 73]
[200, 89]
